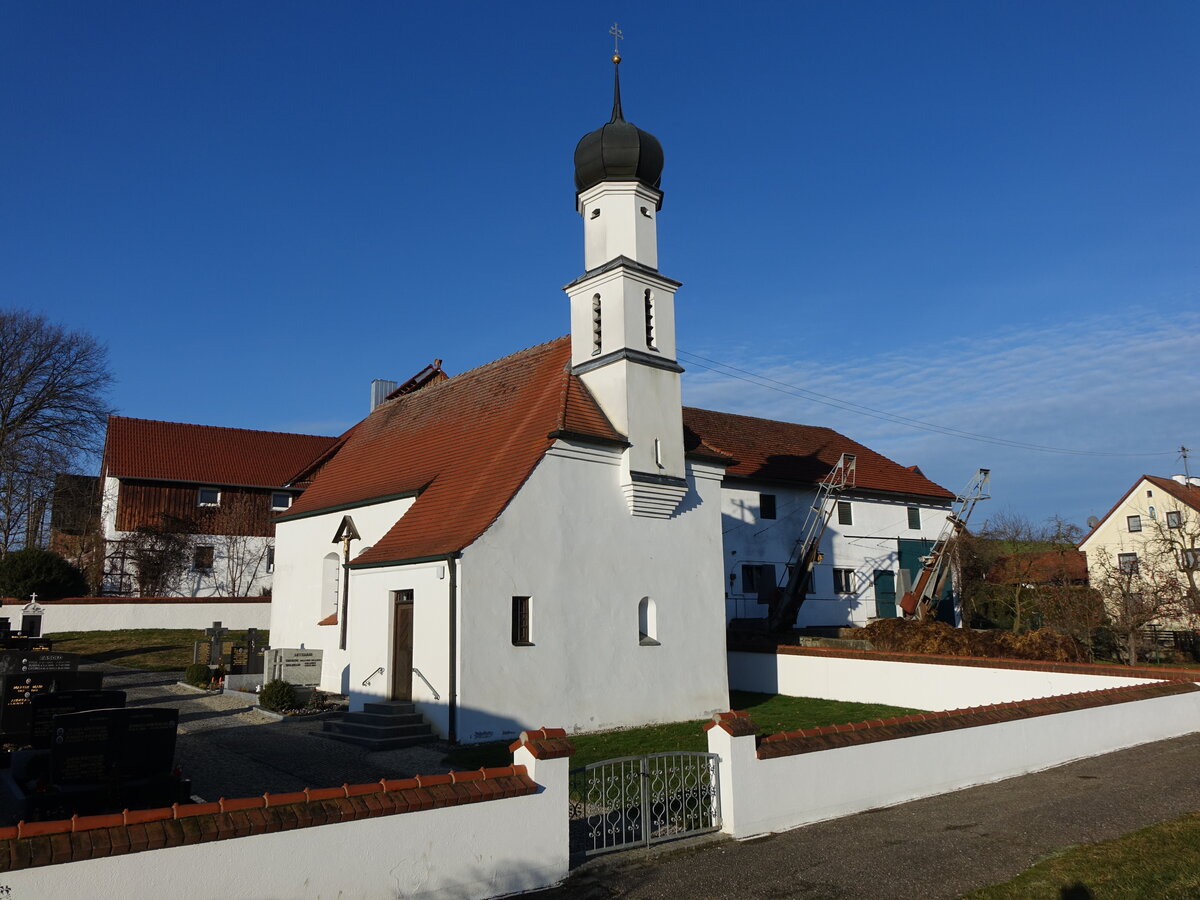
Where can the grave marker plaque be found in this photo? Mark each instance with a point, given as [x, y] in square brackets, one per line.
[239, 660]
[13, 662]
[107, 745]
[202, 652]
[44, 707]
[19, 691]
[298, 667]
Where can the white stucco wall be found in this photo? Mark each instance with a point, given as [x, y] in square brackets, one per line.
[759, 796]
[372, 631]
[867, 545]
[476, 850]
[568, 542]
[119, 616]
[301, 546]
[915, 685]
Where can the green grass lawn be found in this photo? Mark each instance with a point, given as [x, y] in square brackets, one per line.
[152, 649]
[771, 712]
[1162, 861]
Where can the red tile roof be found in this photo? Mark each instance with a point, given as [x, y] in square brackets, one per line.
[1188, 494]
[206, 454]
[467, 444]
[781, 451]
[1039, 567]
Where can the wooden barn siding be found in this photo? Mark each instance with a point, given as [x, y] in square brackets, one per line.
[242, 510]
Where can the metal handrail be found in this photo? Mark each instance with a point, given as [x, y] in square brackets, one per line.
[421, 675]
[367, 680]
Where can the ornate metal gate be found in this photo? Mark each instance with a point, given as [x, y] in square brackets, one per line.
[636, 801]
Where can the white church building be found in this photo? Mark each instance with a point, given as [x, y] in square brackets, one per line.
[552, 538]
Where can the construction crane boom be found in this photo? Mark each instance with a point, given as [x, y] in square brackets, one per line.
[922, 599]
[783, 609]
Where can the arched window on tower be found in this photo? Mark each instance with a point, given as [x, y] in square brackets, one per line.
[650, 320]
[596, 334]
[330, 584]
[647, 623]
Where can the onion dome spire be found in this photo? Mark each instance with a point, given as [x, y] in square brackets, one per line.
[618, 151]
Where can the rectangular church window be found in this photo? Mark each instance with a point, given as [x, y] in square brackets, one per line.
[520, 622]
[766, 506]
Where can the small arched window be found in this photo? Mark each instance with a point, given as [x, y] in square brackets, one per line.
[647, 623]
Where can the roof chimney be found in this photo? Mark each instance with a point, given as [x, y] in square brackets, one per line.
[380, 388]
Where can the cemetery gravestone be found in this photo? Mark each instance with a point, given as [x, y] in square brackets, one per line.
[202, 652]
[18, 693]
[44, 707]
[298, 667]
[13, 662]
[107, 745]
[216, 634]
[239, 660]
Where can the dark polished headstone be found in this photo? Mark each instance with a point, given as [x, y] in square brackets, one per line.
[46, 706]
[18, 691]
[109, 745]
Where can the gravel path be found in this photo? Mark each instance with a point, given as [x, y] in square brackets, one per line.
[231, 750]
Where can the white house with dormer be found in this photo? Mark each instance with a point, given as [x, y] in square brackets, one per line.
[553, 537]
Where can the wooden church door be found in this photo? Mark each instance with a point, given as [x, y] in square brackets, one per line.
[402, 645]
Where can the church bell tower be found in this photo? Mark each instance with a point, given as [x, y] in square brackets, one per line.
[623, 309]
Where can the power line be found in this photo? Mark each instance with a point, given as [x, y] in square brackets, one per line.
[731, 371]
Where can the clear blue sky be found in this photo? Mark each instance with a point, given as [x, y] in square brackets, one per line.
[984, 215]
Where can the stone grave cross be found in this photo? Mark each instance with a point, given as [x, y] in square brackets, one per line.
[216, 651]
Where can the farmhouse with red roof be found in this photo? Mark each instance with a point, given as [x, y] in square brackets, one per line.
[553, 536]
[215, 490]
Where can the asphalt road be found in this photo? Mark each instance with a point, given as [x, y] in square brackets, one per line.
[939, 847]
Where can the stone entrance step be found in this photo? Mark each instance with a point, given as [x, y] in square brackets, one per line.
[383, 725]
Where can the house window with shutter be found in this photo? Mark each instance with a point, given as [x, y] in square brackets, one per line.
[914, 518]
[845, 513]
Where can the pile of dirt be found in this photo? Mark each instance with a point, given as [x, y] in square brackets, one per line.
[910, 636]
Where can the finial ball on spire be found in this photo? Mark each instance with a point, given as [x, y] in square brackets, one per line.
[617, 58]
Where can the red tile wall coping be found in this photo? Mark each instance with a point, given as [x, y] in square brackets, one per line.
[736, 722]
[103, 601]
[986, 662]
[544, 743]
[29, 844]
[828, 737]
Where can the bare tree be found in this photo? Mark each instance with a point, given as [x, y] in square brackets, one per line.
[53, 384]
[1138, 592]
[243, 553]
[157, 554]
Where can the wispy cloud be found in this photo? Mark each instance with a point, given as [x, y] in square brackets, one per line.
[1114, 384]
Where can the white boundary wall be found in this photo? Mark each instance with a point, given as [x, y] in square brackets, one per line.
[60, 616]
[925, 686]
[475, 850]
[759, 796]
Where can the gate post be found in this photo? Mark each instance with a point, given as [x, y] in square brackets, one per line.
[733, 737]
[546, 754]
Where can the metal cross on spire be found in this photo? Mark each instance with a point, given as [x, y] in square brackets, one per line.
[615, 31]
